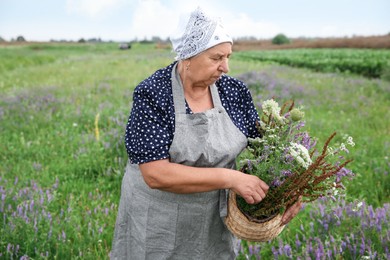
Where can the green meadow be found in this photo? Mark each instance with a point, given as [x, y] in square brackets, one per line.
[63, 112]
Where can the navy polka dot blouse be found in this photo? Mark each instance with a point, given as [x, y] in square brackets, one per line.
[151, 125]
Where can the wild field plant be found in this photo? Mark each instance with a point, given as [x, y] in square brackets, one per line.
[287, 159]
[43, 222]
[58, 178]
[331, 230]
[60, 181]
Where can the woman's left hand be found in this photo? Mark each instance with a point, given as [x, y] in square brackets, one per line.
[291, 212]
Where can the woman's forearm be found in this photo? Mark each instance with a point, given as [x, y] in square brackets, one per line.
[178, 178]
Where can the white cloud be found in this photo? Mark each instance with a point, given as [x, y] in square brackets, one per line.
[159, 18]
[151, 18]
[242, 25]
[93, 8]
[156, 18]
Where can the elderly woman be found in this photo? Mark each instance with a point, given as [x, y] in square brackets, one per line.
[188, 123]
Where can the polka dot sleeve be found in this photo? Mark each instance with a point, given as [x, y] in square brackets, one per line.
[149, 130]
[251, 114]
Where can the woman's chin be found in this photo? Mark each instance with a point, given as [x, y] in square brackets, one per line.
[213, 80]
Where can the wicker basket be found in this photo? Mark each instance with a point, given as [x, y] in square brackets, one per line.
[249, 230]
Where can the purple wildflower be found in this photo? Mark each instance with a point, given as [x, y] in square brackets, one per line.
[37, 166]
[286, 173]
[287, 250]
[250, 249]
[55, 185]
[49, 196]
[31, 205]
[362, 247]
[276, 182]
[297, 242]
[275, 252]
[10, 248]
[329, 253]
[302, 228]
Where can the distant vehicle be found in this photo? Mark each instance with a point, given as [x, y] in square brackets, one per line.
[124, 46]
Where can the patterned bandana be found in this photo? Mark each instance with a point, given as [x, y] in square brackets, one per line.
[198, 34]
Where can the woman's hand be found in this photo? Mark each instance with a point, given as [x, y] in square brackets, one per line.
[250, 187]
[291, 212]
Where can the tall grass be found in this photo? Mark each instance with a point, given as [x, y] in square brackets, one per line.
[48, 137]
[63, 111]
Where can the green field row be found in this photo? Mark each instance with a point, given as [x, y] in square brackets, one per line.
[366, 62]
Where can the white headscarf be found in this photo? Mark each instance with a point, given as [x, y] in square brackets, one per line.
[197, 33]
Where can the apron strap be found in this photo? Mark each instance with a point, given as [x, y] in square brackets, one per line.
[215, 96]
[177, 92]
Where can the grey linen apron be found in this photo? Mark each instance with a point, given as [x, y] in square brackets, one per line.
[154, 224]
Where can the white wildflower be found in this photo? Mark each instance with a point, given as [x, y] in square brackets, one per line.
[271, 108]
[300, 154]
[281, 120]
[255, 141]
[342, 147]
[350, 141]
[357, 206]
[335, 191]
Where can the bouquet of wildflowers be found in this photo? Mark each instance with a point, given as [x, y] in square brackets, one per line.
[286, 158]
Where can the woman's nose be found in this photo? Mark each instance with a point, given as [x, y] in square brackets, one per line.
[224, 66]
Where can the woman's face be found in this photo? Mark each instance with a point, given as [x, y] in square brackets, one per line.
[206, 68]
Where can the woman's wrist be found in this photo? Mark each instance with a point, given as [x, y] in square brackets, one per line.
[231, 178]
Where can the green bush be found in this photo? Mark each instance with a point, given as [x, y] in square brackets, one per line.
[280, 39]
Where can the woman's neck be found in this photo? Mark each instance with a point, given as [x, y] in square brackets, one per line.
[198, 96]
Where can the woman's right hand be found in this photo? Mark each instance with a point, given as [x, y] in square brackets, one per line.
[250, 187]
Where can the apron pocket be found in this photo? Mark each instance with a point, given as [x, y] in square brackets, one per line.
[136, 234]
[152, 224]
[161, 225]
[190, 228]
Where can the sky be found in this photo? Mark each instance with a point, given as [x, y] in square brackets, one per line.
[126, 20]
